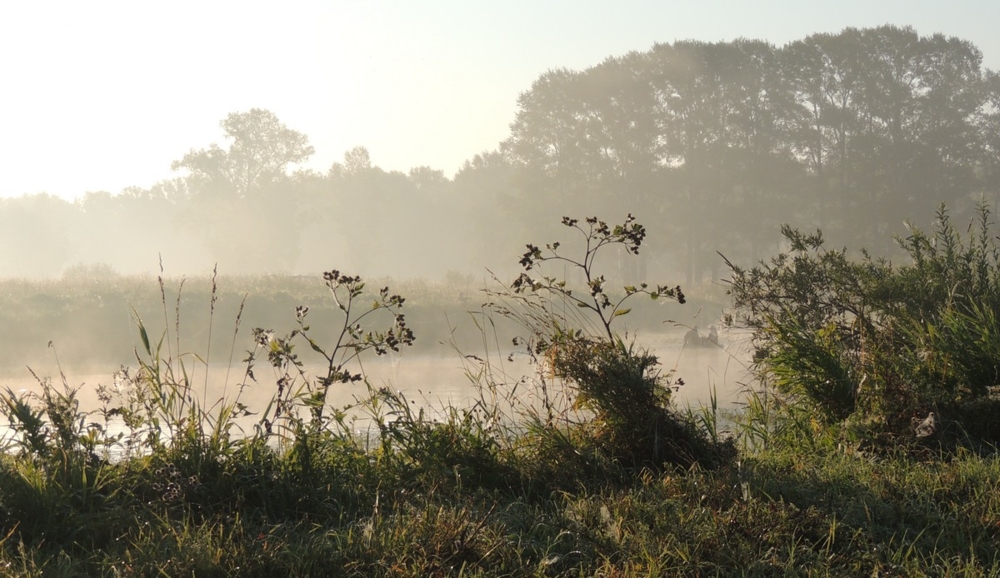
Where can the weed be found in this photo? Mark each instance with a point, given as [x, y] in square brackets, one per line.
[571, 331]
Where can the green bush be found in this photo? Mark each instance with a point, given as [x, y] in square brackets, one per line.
[631, 421]
[589, 490]
[864, 340]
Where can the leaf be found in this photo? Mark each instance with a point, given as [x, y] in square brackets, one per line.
[622, 312]
[145, 339]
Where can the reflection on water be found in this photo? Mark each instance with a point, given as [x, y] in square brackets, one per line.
[433, 383]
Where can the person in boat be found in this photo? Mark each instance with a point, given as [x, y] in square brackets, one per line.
[713, 335]
[692, 338]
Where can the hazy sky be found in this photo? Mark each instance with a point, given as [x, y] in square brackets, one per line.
[100, 95]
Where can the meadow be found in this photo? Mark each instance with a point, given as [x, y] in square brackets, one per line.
[585, 466]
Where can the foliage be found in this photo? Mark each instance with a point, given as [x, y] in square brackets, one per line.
[875, 342]
[172, 489]
[834, 129]
[633, 420]
[75, 307]
[850, 132]
[830, 511]
[597, 235]
[571, 329]
[259, 154]
[355, 337]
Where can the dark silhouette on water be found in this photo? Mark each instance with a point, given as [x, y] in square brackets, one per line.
[694, 339]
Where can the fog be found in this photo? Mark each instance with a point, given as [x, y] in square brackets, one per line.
[712, 146]
[513, 384]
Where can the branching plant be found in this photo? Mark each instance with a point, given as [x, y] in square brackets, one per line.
[597, 235]
[355, 337]
[866, 341]
[618, 384]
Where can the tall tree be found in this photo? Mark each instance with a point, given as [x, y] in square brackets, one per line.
[244, 192]
[724, 112]
[824, 73]
[886, 124]
[260, 151]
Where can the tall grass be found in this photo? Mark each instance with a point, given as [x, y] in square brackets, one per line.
[161, 481]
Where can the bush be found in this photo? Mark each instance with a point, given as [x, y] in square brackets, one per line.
[633, 420]
[868, 341]
[619, 386]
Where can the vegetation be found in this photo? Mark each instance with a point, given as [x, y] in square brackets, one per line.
[866, 447]
[878, 347]
[95, 300]
[161, 481]
[721, 142]
[618, 384]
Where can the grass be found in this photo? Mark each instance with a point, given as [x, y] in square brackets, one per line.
[601, 476]
[776, 513]
[459, 498]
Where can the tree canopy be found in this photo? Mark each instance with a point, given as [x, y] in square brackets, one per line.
[852, 131]
[714, 145]
[260, 151]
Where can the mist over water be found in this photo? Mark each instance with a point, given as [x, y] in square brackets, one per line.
[714, 147]
[433, 383]
[706, 305]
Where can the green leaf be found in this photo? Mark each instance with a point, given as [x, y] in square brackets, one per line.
[622, 312]
[145, 339]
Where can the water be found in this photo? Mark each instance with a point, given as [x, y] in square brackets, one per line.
[432, 383]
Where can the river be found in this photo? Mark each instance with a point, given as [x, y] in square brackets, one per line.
[433, 383]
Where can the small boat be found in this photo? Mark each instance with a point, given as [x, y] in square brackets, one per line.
[694, 339]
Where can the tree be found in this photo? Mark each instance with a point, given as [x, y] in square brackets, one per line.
[723, 114]
[261, 150]
[245, 192]
[36, 235]
[886, 124]
[357, 161]
[488, 191]
[428, 180]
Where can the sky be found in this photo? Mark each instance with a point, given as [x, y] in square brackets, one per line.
[102, 95]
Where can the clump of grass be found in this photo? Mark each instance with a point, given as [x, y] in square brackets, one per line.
[617, 384]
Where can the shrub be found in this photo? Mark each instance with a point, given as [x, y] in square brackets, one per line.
[866, 340]
[616, 384]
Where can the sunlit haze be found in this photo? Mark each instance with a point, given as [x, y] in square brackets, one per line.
[104, 95]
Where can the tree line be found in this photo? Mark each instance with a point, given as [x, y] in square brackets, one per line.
[714, 144]
[851, 133]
